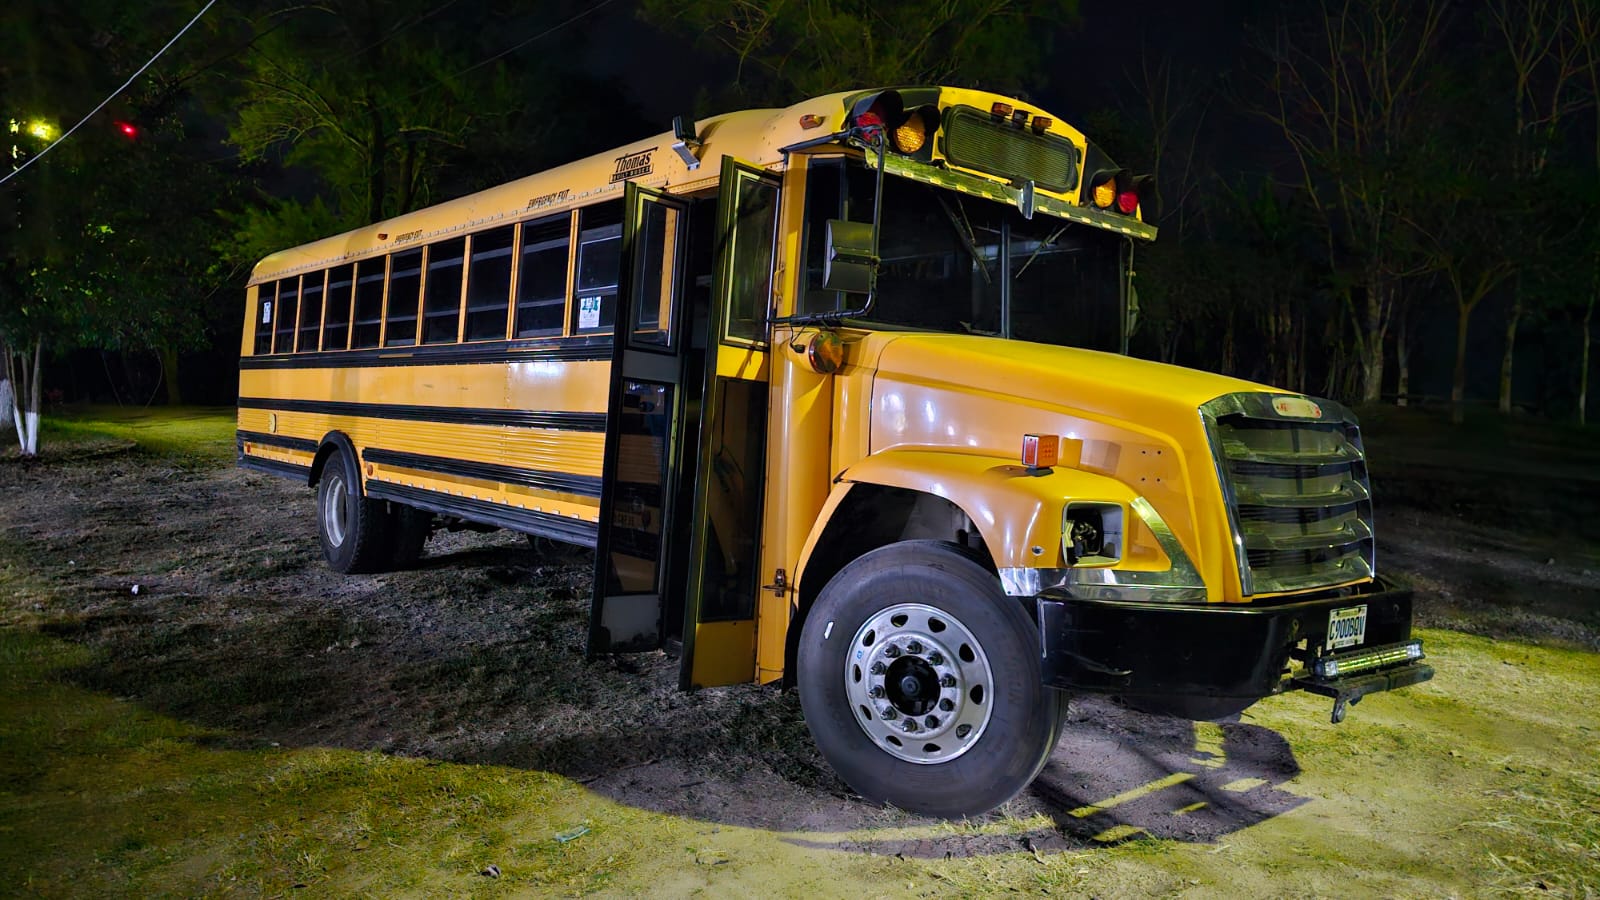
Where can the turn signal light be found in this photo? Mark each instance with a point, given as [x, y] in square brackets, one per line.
[825, 352]
[1041, 451]
[911, 135]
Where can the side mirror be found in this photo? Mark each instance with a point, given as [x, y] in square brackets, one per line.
[849, 264]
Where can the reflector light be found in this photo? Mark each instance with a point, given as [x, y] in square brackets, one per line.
[1041, 451]
[1000, 110]
[1105, 194]
[810, 121]
[1127, 202]
[1041, 124]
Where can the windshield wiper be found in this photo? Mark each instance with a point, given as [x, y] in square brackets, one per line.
[964, 231]
[1038, 250]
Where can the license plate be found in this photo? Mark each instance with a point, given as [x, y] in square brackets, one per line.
[1347, 627]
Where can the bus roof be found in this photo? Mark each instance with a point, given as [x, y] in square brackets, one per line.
[754, 136]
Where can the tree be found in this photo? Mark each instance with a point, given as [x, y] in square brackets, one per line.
[1546, 57]
[786, 48]
[1345, 91]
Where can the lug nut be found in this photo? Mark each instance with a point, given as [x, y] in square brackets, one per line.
[947, 705]
[891, 651]
[879, 668]
[888, 712]
[909, 725]
[936, 658]
[931, 721]
[914, 647]
[947, 681]
[877, 691]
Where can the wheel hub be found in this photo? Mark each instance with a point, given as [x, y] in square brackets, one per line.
[920, 683]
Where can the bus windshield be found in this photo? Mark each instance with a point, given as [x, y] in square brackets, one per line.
[956, 263]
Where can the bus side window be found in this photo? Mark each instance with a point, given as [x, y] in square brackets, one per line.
[542, 276]
[311, 312]
[336, 325]
[599, 267]
[405, 290]
[489, 284]
[288, 302]
[369, 303]
[441, 313]
[266, 302]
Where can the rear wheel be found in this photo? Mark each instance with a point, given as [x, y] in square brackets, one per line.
[411, 527]
[921, 683]
[354, 530]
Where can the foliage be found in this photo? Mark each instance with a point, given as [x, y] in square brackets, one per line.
[800, 48]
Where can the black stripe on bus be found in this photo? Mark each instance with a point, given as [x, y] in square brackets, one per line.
[275, 467]
[276, 440]
[550, 525]
[580, 349]
[444, 415]
[582, 485]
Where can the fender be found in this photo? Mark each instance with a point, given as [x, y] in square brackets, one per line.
[331, 441]
[1017, 510]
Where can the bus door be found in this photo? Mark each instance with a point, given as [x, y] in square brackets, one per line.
[724, 581]
[644, 422]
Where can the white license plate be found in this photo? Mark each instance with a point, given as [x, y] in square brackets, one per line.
[1347, 627]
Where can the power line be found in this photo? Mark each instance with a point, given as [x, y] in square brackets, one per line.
[112, 96]
[514, 47]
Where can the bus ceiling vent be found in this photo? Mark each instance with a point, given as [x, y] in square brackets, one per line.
[687, 142]
[907, 130]
[1124, 192]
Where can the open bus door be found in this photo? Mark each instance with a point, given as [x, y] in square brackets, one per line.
[680, 507]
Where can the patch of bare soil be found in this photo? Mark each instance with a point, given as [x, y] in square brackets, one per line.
[202, 594]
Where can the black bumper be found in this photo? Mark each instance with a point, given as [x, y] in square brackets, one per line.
[1240, 651]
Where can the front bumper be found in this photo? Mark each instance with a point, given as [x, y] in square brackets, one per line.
[1235, 651]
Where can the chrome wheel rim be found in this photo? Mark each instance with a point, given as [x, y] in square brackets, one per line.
[334, 507]
[919, 682]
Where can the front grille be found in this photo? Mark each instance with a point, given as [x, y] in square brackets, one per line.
[1299, 499]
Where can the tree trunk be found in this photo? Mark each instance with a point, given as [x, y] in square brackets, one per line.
[1583, 370]
[377, 159]
[1511, 349]
[25, 395]
[1458, 386]
[1371, 342]
[1402, 353]
[169, 374]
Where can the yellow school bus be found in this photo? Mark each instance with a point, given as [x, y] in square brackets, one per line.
[839, 394]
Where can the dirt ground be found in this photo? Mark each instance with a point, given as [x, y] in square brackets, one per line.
[200, 592]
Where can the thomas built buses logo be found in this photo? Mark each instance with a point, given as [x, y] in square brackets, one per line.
[634, 165]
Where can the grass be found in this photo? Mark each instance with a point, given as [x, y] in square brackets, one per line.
[195, 435]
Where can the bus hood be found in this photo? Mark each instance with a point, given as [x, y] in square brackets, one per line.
[982, 394]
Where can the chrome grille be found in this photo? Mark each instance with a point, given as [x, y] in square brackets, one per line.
[1298, 497]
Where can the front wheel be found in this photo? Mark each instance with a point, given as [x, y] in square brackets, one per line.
[921, 683]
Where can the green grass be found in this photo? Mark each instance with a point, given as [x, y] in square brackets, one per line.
[197, 435]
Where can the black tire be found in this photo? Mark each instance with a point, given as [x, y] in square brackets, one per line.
[356, 532]
[952, 608]
[411, 528]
